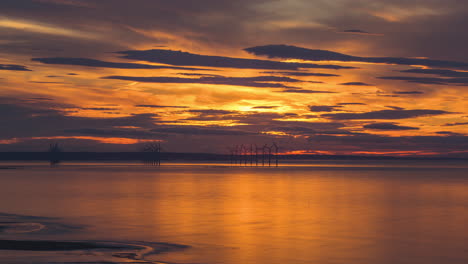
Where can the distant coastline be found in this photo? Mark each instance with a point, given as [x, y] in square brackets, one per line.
[173, 156]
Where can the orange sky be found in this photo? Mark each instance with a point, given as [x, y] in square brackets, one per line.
[108, 75]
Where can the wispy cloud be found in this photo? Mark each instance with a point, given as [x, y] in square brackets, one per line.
[43, 28]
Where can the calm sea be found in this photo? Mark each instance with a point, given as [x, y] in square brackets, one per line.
[390, 212]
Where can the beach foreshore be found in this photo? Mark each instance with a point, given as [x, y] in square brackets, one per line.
[21, 234]
[43, 245]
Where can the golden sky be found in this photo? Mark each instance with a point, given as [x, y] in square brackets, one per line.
[325, 77]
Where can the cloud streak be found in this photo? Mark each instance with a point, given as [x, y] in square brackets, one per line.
[428, 80]
[159, 106]
[180, 58]
[304, 91]
[103, 64]
[302, 74]
[356, 84]
[323, 108]
[293, 52]
[359, 32]
[440, 72]
[13, 67]
[388, 126]
[259, 82]
[386, 114]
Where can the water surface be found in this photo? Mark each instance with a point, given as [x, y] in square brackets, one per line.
[387, 212]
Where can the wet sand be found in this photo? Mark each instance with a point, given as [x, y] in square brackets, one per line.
[70, 251]
[88, 251]
[43, 245]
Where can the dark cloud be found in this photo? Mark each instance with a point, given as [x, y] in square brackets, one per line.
[160, 106]
[370, 143]
[200, 74]
[265, 107]
[355, 31]
[394, 107]
[325, 136]
[304, 91]
[448, 133]
[385, 114]
[310, 130]
[382, 94]
[457, 124]
[416, 35]
[260, 119]
[428, 80]
[304, 74]
[202, 130]
[213, 115]
[41, 99]
[124, 133]
[440, 72]
[352, 104]
[103, 64]
[75, 3]
[322, 108]
[99, 108]
[211, 111]
[359, 32]
[298, 127]
[356, 84]
[12, 67]
[180, 58]
[419, 29]
[15, 111]
[259, 124]
[254, 118]
[293, 52]
[260, 81]
[51, 122]
[408, 92]
[256, 121]
[330, 108]
[388, 126]
[49, 82]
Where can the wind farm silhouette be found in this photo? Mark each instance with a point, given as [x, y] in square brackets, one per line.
[54, 154]
[152, 153]
[254, 155]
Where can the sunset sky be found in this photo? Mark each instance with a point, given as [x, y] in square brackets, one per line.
[385, 77]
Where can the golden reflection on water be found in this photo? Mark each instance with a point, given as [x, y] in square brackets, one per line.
[241, 215]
